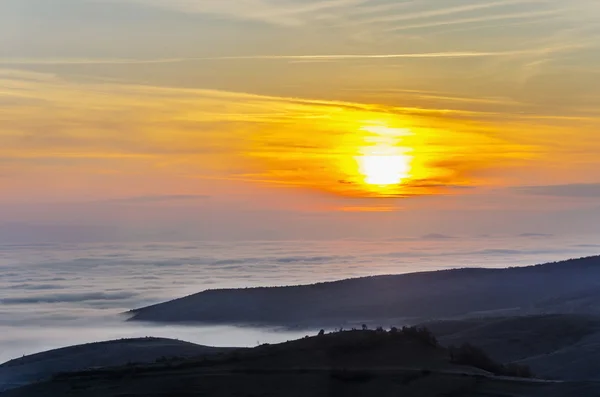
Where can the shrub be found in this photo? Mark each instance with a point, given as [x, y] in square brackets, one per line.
[422, 335]
[468, 354]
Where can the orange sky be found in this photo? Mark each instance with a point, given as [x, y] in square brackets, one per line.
[350, 108]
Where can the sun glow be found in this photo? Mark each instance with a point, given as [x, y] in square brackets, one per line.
[383, 161]
[384, 170]
[360, 153]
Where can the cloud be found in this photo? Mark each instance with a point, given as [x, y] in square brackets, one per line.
[45, 233]
[485, 18]
[291, 57]
[34, 287]
[68, 298]
[339, 13]
[307, 259]
[280, 260]
[535, 235]
[441, 11]
[515, 253]
[503, 252]
[87, 61]
[127, 270]
[182, 136]
[437, 236]
[416, 55]
[232, 261]
[414, 95]
[480, 254]
[369, 208]
[199, 133]
[580, 190]
[282, 13]
[157, 199]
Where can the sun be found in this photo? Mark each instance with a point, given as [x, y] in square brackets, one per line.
[384, 170]
[384, 161]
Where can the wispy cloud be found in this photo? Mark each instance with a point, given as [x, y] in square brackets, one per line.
[157, 199]
[297, 13]
[485, 18]
[124, 130]
[536, 235]
[293, 57]
[369, 208]
[67, 297]
[444, 11]
[450, 54]
[264, 136]
[486, 26]
[581, 190]
[291, 13]
[437, 236]
[86, 61]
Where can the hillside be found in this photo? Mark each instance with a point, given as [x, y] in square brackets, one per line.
[571, 286]
[94, 355]
[351, 363]
[558, 346]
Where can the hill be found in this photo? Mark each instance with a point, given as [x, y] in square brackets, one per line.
[352, 363]
[44, 365]
[571, 286]
[557, 346]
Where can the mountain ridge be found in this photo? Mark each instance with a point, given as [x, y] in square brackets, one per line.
[39, 366]
[406, 362]
[409, 297]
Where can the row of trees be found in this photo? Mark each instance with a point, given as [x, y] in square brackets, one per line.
[420, 334]
[465, 354]
[468, 354]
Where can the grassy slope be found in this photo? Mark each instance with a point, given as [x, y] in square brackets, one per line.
[561, 346]
[301, 383]
[102, 354]
[553, 287]
[342, 364]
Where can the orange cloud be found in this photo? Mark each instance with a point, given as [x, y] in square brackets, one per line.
[52, 128]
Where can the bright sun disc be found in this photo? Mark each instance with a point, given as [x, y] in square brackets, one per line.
[384, 161]
[384, 170]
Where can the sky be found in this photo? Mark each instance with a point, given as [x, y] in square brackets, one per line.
[298, 119]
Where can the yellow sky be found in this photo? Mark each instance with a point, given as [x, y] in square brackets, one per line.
[343, 148]
[338, 105]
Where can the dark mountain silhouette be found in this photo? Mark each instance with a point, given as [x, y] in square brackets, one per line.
[571, 286]
[554, 346]
[406, 362]
[41, 366]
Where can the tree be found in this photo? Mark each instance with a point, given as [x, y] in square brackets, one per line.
[322, 332]
[364, 327]
[468, 354]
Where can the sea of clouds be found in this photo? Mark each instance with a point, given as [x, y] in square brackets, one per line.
[57, 295]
